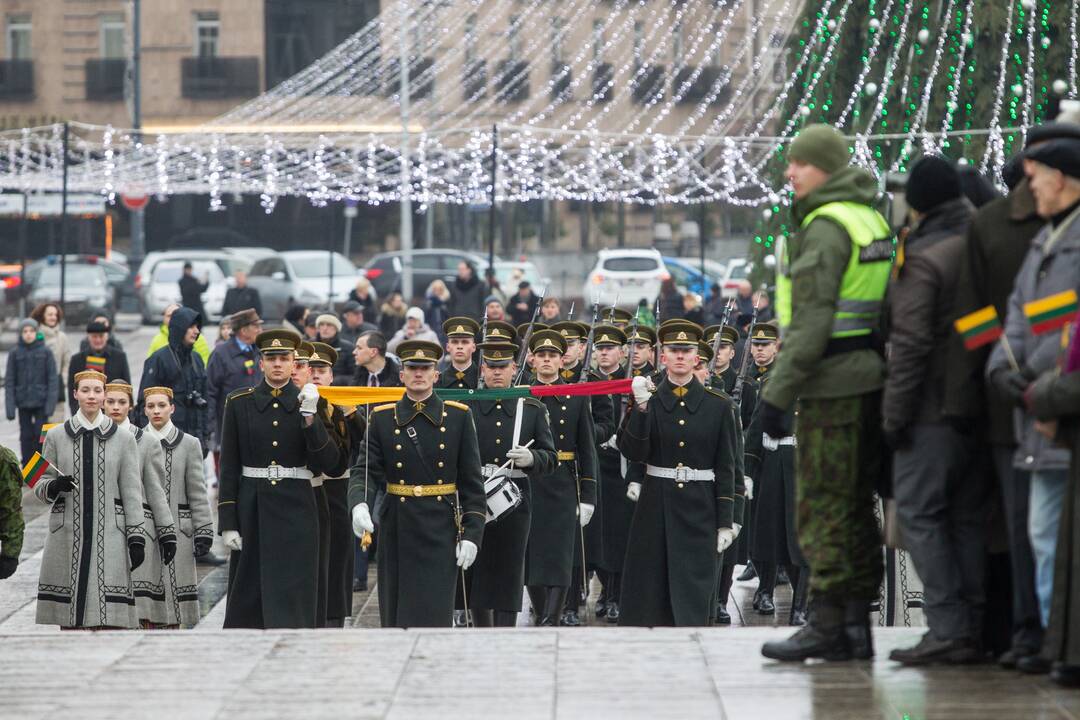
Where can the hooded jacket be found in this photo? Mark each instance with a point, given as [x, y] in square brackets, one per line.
[31, 381]
[181, 368]
[201, 345]
[818, 256]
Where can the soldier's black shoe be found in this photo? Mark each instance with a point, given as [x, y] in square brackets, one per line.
[782, 576]
[1013, 655]
[748, 573]
[722, 617]
[1033, 665]
[930, 650]
[211, 559]
[460, 619]
[613, 612]
[601, 609]
[570, 619]
[359, 585]
[764, 604]
[857, 629]
[797, 617]
[823, 637]
[1065, 675]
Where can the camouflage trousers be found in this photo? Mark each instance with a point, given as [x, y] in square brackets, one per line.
[837, 468]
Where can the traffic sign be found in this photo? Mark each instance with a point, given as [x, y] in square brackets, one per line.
[135, 202]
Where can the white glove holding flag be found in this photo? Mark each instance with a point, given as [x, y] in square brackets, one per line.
[466, 554]
[633, 491]
[522, 457]
[233, 541]
[309, 399]
[642, 388]
[361, 520]
[725, 537]
[585, 513]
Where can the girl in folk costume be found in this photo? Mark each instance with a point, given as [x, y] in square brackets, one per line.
[185, 488]
[95, 534]
[157, 517]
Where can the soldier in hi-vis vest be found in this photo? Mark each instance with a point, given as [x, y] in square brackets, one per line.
[830, 290]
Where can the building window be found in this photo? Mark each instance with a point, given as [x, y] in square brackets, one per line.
[112, 37]
[18, 37]
[470, 38]
[639, 41]
[514, 37]
[558, 32]
[597, 40]
[207, 34]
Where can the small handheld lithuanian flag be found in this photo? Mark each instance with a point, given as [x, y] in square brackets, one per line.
[979, 328]
[45, 431]
[1051, 313]
[34, 469]
[95, 362]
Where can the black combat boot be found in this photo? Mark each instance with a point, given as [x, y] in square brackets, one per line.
[822, 637]
[537, 599]
[553, 603]
[748, 573]
[800, 579]
[857, 629]
[505, 618]
[482, 618]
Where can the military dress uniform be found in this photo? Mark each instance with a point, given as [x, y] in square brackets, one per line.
[335, 528]
[687, 439]
[496, 580]
[424, 455]
[450, 376]
[556, 496]
[268, 457]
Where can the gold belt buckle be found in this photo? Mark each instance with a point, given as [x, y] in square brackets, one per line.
[418, 490]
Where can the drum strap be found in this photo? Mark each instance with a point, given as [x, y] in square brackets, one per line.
[516, 440]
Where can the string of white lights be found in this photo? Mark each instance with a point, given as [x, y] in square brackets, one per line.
[995, 144]
[951, 105]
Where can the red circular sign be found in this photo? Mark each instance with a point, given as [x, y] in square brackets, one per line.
[135, 202]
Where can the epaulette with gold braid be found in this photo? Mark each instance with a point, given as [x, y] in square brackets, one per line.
[455, 403]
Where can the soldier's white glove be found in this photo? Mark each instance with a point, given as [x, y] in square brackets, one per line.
[610, 444]
[522, 457]
[633, 491]
[466, 554]
[642, 389]
[309, 399]
[233, 541]
[725, 537]
[585, 513]
[748, 481]
[361, 520]
[737, 528]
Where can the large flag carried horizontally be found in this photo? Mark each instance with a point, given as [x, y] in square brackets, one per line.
[34, 469]
[1052, 312]
[979, 328]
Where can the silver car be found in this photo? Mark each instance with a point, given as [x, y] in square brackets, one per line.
[157, 282]
[301, 277]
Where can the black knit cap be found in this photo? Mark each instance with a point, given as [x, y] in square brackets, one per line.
[933, 180]
[1062, 154]
[1052, 131]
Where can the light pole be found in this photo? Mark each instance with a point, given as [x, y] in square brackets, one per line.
[406, 163]
[138, 218]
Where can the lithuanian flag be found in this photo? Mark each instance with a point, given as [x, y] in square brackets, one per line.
[34, 469]
[979, 328]
[44, 431]
[95, 362]
[1051, 313]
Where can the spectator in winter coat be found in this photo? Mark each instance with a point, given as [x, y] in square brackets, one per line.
[294, 319]
[191, 290]
[353, 322]
[523, 304]
[715, 306]
[364, 295]
[113, 342]
[392, 315]
[692, 309]
[241, 297]
[233, 365]
[468, 293]
[550, 311]
[50, 317]
[435, 310]
[97, 356]
[671, 300]
[162, 338]
[493, 307]
[414, 329]
[30, 386]
[329, 332]
[179, 367]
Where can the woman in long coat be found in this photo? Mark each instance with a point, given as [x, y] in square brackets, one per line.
[95, 528]
[185, 490]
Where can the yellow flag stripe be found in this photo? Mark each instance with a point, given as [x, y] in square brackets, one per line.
[979, 317]
[1053, 302]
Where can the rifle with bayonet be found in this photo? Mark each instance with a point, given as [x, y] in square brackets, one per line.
[719, 335]
[736, 392]
[483, 337]
[523, 352]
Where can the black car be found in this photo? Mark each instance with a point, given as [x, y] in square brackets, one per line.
[384, 270]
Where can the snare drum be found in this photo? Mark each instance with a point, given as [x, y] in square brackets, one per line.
[503, 494]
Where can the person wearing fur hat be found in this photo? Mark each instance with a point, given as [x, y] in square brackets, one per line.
[414, 329]
[329, 332]
[31, 385]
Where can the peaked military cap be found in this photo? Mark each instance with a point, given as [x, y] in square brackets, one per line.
[461, 327]
[728, 335]
[616, 316]
[704, 351]
[322, 354]
[498, 353]
[547, 339]
[569, 329]
[419, 352]
[765, 332]
[303, 353]
[680, 333]
[277, 341]
[499, 330]
[524, 328]
[606, 335]
[641, 334]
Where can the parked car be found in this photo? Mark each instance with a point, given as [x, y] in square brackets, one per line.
[510, 274]
[251, 253]
[688, 277]
[715, 269]
[86, 289]
[738, 270]
[384, 270]
[625, 275]
[116, 273]
[300, 277]
[11, 284]
[156, 289]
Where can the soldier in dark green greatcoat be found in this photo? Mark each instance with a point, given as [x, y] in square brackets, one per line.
[458, 370]
[690, 499]
[423, 453]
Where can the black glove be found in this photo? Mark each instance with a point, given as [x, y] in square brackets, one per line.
[1012, 384]
[136, 551]
[7, 566]
[898, 439]
[62, 483]
[773, 421]
[202, 546]
[168, 548]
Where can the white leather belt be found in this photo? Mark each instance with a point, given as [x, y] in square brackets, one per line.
[770, 443]
[277, 472]
[488, 471]
[682, 474]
